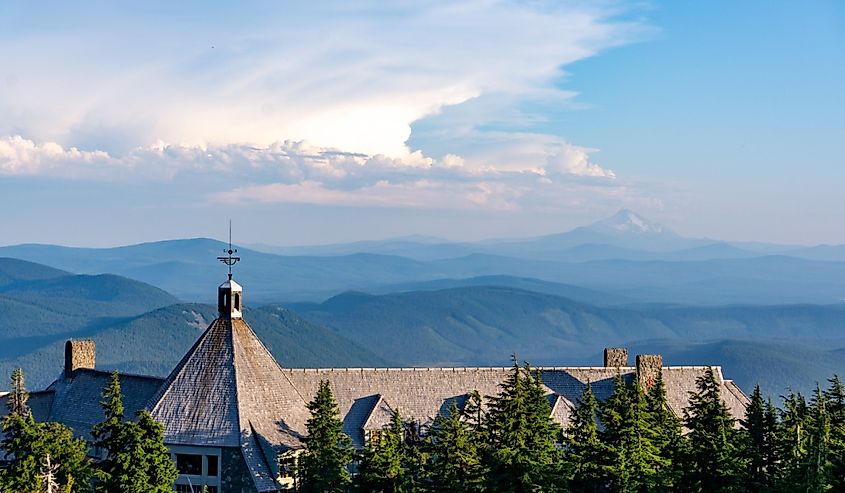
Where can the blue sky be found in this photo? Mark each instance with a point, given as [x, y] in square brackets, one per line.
[340, 121]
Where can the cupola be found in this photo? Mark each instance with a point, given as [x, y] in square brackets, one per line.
[230, 293]
[230, 299]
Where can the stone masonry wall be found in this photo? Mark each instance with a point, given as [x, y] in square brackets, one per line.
[649, 366]
[615, 357]
[80, 354]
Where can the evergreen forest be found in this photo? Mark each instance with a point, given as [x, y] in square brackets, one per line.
[631, 442]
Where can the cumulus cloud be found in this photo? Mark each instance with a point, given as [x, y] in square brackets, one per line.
[308, 103]
[19, 156]
[346, 76]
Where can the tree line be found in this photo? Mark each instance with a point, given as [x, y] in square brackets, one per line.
[630, 442]
[42, 457]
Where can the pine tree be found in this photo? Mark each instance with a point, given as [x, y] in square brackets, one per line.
[816, 468]
[329, 450]
[835, 402]
[758, 444]
[630, 439]
[110, 437]
[584, 452]
[666, 437]
[158, 472]
[382, 463]
[521, 453]
[27, 445]
[791, 442]
[713, 463]
[455, 457]
[136, 459]
[18, 397]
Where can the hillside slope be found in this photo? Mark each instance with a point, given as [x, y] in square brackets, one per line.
[154, 342]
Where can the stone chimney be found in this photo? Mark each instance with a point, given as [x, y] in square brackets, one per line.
[649, 366]
[615, 357]
[79, 354]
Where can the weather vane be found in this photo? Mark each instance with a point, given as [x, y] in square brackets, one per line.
[229, 259]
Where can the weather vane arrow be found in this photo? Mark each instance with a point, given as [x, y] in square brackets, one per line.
[229, 260]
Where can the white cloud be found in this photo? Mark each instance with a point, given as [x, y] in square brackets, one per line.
[347, 76]
[19, 156]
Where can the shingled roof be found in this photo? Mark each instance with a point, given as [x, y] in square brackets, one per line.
[229, 391]
[74, 399]
[420, 394]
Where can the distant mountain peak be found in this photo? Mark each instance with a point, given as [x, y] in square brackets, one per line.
[628, 221]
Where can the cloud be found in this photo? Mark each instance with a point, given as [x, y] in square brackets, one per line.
[346, 76]
[19, 156]
[299, 172]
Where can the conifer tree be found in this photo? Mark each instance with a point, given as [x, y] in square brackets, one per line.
[666, 437]
[584, 451]
[713, 463]
[455, 457]
[521, 454]
[110, 437]
[382, 463]
[791, 441]
[27, 445]
[158, 472]
[835, 402]
[329, 451]
[136, 459]
[816, 467]
[630, 439]
[758, 444]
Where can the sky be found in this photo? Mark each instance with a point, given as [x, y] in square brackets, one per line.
[320, 122]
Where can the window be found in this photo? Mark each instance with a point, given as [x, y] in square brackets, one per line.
[189, 464]
[212, 465]
[287, 466]
[237, 301]
[373, 436]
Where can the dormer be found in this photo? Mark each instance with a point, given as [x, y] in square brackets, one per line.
[230, 299]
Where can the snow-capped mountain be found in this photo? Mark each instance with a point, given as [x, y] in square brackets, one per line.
[627, 221]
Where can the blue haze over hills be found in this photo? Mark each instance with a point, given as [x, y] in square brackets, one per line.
[768, 313]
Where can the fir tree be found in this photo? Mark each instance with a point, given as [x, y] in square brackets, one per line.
[815, 469]
[791, 442]
[110, 437]
[835, 402]
[584, 451]
[27, 445]
[18, 396]
[758, 444]
[712, 463]
[329, 450]
[136, 459]
[630, 439]
[521, 454]
[382, 463]
[158, 472]
[666, 437]
[455, 458]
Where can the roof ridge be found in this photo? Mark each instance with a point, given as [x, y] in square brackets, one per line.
[164, 390]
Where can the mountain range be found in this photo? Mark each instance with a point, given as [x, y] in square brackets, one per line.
[771, 314]
[625, 257]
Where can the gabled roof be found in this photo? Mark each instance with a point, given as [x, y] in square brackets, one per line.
[421, 393]
[75, 401]
[229, 391]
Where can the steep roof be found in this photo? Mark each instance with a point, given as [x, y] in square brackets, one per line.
[75, 400]
[421, 393]
[229, 391]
